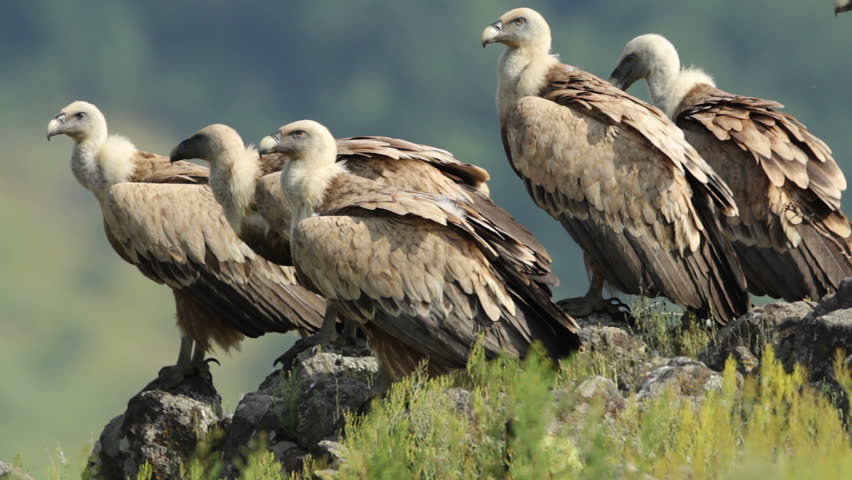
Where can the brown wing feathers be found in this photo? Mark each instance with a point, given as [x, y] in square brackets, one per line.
[788, 186]
[176, 234]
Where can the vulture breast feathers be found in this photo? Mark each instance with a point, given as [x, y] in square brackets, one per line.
[425, 276]
[626, 185]
[167, 223]
[792, 237]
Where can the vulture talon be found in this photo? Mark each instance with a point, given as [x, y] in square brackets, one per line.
[586, 306]
[288, 359]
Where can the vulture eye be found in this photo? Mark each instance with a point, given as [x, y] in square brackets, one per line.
[299, 134]
[520, 21]
[80, 115]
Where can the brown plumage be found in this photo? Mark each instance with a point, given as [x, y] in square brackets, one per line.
[792, 238]
[249, 188]
[617, 174]
[422, 272]
[162, 218]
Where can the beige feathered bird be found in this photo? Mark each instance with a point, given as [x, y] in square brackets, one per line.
[792, 238]
[245, 185]
[162, 218]
[618, 175]
[410, 266]
[841, 6]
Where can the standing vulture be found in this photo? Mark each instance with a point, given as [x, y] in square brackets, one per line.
[618, 175]
[411, 267]
[792, 238]
[162, 218]
[249, 189]
[841, 6]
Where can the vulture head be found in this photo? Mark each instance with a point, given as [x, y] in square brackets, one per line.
[644, 57]
[841, 6]
[521, 28]
[301, 140]
[81, 121]
[214, 143]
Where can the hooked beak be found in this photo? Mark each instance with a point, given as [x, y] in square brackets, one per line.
[184, 150]
[492, 33]
[268, 143]
[624, 76]
[56, 126]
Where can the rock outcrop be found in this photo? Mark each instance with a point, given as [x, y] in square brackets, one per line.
[301, 412]
[160, 428]
[805, 333]
[11, 472]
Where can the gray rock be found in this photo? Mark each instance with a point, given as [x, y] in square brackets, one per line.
[611, 341]
[801, 333]
[334, 451]
[11, 472]
[162, 428]
[687, 377]
[744, 338]
[294, 412]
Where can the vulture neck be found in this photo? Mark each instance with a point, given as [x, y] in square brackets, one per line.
[305, 181]
[233, 177]
[522, 73]
[668, 84]
[100, 161]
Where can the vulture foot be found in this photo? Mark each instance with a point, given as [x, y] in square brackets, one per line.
[585, 306]
[305, 343]
[173, 375]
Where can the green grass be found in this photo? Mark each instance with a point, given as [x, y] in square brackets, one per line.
[522, 420]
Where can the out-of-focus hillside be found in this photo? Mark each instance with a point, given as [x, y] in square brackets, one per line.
[80, 331]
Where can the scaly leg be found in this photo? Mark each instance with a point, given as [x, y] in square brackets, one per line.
[322, 337]
[189, 363]
[593, 301]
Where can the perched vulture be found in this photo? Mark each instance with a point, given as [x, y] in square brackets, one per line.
[841, 6]
[618, 175]
[792, 238]
[423, 273]
[249, 189]
[162, 218]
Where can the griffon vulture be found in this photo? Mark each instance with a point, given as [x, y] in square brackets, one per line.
[792, 238]
[424, 283]
[841, 6]
[253, 202]
[618, 175]
[162, 218]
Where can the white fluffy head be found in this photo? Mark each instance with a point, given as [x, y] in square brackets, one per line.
[81, 121]
[304, 140]
[521, 28]
[653, 58]
[98, 160]
[217, 144]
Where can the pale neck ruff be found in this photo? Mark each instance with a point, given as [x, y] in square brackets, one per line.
[521, 73]
[233, 181]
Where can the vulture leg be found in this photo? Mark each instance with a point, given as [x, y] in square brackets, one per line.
[322, 337]
[593, 302]
[189, 363]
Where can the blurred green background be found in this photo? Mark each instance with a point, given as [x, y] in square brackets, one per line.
[81, 331]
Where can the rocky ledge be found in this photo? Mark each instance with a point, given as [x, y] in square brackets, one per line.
[300, 413]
